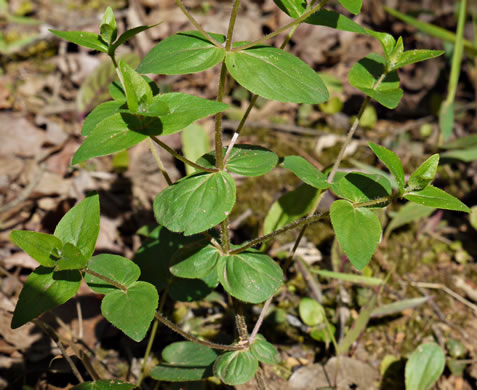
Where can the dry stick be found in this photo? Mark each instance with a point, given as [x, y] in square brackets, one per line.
[179, 157]
[197, 25]
[54, 336]
[159, 162]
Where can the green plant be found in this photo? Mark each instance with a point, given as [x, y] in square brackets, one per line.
[188, 210]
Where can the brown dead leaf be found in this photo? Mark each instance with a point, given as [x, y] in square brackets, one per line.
[18, 137]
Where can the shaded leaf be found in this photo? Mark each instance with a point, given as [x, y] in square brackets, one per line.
[264, 351]
[138, 92]
[190, 290]
[249, 276]
[125, 36]
[358, 231]
[391, 161]
[187, 353]
[435, 197]
[306, 172]
[195, 203]
[275, 74]
[290, 207]
[40, 246]
[335, 20]
[446, 119]
[80, 225]
[236, 368]
[424, 367]
[365, 75]
[360, 187]
[182, 53]
[408, 213]
[466, 155]
[43, 291]
[293, 8]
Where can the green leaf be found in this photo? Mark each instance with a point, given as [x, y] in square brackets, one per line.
[293, 8]
[116, 90]
[185, 109]
[290, 207]
[104, 384]
[249, 276]
[360, 187]
[114, 267]
[83, 38]
[469, 141]
[424, 367]
[365, 75]
[195, 260]
[125, 36]
[323, 334]
[413, 56]
[392, 162]
[108, 28]
[353, 6]
[71, 258]
[435, 197]
[94, 89]
[334, 20]
[155, 254]
[40, 246]
[138, 92]
[42, 291]
[387, 41]
[80, 225]
[195, 203]
[101, 112]
[264, 351]
[306, 172]
[195, 143]
[408, 213]
[397, 307]
[352, 278]
[424, 175]
[358, 231]
[236, 368]
[133, 310]
[246, 160]
[182, 53]
[187, 353]
[311, 312]
[277, 75]
[118, 132]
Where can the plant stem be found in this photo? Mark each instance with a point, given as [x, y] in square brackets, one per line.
[290, 226]
[159, 162]
[240, 323]
[352, 130]
[260, 379]
[197, 25]
[107, 280]
[283, 28]
[179, 157]
[233, 17]
[152, 336]
[54, 336]
[175, 328]
[259, 322]
[219, 157]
